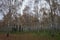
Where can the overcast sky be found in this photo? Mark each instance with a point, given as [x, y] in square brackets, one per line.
[29, 3]
[25, 3]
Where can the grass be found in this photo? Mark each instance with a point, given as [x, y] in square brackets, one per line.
[49, 34]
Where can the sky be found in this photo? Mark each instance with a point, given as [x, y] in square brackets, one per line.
[1, 16]
[30, 4]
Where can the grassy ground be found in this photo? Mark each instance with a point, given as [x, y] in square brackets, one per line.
[41, 35]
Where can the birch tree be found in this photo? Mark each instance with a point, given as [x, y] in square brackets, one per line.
[54, 7]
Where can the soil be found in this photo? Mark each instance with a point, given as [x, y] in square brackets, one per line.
[26, 36]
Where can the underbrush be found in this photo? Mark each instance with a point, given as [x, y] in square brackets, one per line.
[41, 33]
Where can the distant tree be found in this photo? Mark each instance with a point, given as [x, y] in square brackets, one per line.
[54, 7]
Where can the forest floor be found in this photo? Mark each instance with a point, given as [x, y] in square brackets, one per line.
[29, 36]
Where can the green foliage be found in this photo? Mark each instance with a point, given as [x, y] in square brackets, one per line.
[14, 29]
